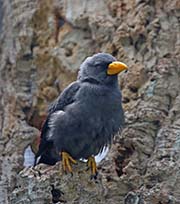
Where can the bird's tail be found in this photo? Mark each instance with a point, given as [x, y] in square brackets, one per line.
[47, 154]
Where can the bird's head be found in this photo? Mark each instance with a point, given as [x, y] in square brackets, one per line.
[101, 67]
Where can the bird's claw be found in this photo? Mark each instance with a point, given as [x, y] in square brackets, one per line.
[92, 165]
[66, 162]
[94, 177]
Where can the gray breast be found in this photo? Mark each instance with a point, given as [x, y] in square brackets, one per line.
[89, 124]
[98, 123]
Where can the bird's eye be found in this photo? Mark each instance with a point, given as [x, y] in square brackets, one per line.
[100, 64]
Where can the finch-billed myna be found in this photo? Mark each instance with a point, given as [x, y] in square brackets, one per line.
[86, 115]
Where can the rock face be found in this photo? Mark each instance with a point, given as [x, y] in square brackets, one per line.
[42, 44]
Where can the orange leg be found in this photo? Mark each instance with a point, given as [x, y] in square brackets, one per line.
[66, 162]
[92, 165]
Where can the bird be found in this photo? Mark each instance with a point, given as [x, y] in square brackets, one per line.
[86, 115]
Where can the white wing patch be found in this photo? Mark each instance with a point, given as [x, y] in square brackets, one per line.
[52, 122]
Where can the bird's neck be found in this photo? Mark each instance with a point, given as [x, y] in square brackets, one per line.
[91, 80]
[110, 82]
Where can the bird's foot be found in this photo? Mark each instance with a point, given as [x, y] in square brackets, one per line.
[66, 162]
[92, 165]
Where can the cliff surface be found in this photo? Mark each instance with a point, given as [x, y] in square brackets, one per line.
[42, 44]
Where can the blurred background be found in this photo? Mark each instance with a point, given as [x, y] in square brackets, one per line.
[43, 43]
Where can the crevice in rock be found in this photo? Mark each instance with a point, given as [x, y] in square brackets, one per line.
[133, 89]
[125, 100]
[122, 158]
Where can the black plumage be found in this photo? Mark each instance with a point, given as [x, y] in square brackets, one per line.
[87, 114]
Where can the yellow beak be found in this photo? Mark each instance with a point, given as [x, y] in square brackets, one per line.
[116, 67]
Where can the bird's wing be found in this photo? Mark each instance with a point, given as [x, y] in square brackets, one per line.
[65, 98]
